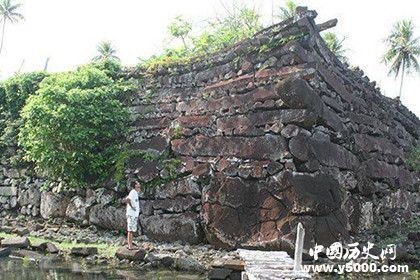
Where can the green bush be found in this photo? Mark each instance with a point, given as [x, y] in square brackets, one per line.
[75, 125]
[13, 95]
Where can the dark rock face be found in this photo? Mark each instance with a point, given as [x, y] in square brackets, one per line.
[269, 140]
[240, 213]
[173, 227]
[267, 147]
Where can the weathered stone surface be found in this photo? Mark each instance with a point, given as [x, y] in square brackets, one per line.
[102, 196]
[352, 206]
[266, 147]
[53, 205]
[146, 170]
[31, 255]
[376, 144]
[329, 154]
[219, 273]
[108, 217]
[132, 255]
[8, 191]
[51, 248]
[15, 242]
[376, 169]
[188, 264]
[229, 214]
[178, 204]
[29, 196]
[311, 194]
[297, 94]
[400, 199]
[39, 246]
[234, 264]
[78, 209]
[185, 186]
[44, 247]
[239, 213]
[4, 252]
[157, 144]
[253, 124]
[83, 251]
[22, 231]
[183, 227]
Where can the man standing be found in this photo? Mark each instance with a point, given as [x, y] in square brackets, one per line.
[133, 211]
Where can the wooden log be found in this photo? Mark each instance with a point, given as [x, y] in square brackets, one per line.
[327, 25]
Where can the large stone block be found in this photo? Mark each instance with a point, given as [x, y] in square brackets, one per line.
[156, 144]
[178, 204]
[297, 94]
[132, 255]
[376, 144]
[233, 208]
[254, 124]
[330, 154]
[83, 251]
[183, 227]
[184, 186]
[265, 147]
[53, 205]
[29, 196]
[108, 217]
[16, 242]
[314, 195]
[78, 209]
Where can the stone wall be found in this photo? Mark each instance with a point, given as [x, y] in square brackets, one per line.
[238, 147]
[273, 134]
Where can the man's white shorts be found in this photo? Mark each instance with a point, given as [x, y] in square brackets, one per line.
[132, 223]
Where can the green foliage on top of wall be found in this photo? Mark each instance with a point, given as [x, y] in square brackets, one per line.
[74, 127]
[219, 33]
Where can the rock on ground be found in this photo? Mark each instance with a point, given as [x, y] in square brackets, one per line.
[132, 255]
[15, 242]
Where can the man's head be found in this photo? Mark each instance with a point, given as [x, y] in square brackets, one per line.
[137, 186]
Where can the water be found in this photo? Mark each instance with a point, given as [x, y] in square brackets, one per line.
[57, 269]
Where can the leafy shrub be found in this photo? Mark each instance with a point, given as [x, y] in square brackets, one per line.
[13, 95]
[75, 125]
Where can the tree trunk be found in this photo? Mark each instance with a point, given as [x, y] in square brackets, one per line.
[46, 64]
[2, 35]
[402, 79]
[185, 44]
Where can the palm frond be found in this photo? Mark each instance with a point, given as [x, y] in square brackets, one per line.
[403, 49]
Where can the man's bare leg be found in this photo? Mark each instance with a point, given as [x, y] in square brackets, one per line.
[130, 240]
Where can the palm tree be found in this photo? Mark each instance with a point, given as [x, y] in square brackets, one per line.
[335, 45]
[289, 11]
[403, 50]
[8, 13]
[106, 51]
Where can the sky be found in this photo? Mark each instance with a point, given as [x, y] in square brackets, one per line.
[68, 32]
